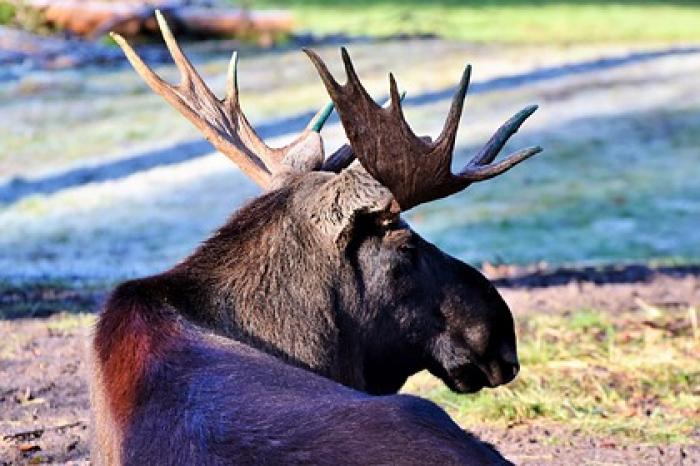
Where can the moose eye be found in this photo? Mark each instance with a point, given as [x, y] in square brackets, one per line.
[404, 257]
[390, 223]
[408, 249]
[400, 240]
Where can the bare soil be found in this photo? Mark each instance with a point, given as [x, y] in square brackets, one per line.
[44, 401]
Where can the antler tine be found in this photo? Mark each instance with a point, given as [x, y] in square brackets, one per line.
[143, 70]
[187, 72]
[354, 81]
[328, 80]
[318, 120]
[449, 131]
[232, 78]
[394, 98]
[478, 168]
[349, 67]
[484, 172]
[488, 153]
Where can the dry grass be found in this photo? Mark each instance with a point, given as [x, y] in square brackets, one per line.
[633, 376]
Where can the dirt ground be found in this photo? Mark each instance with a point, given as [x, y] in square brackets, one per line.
[43, 367]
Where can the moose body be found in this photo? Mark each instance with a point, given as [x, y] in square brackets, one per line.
[196, 365]
[181, 395]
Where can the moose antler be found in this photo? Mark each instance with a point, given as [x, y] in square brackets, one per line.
[414, 169]
[221, 121]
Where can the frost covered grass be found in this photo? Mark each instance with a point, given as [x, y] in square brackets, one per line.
[123, 228]
[617, 180]
[634, 377]
[616, 189]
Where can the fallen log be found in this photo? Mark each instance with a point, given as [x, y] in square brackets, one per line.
[90, 19]
[223, 22]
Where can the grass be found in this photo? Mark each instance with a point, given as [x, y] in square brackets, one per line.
[19, 14]
[516, 22]
[42, 298]
[629, 215]
[7, 12]
[69, 322]
[635, 377]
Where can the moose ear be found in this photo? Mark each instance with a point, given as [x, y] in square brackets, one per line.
[341, 198]
[304, 155]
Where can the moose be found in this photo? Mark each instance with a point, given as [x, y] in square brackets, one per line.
[271, 341]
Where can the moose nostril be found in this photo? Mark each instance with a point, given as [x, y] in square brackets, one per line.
[516, 369]
[508, 371]
[510, 357]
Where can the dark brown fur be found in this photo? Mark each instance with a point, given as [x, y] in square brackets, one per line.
[130, 342]
[186, 396]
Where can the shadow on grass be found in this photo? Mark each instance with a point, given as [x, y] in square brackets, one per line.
[46, 298]
[629, 273]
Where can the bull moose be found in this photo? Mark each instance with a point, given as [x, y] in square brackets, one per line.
[226, 358]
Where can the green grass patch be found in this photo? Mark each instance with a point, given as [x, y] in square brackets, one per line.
[502, 21]
[633, 376]
[7, 12]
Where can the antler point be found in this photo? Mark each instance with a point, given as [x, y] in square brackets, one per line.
[232, 77]
[349, 68]
[160, 18]
[118, 39]
[467, 71]
[530, 109]
[346, 57]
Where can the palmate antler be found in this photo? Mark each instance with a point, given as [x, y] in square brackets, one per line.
[221, 121]
[414, 169]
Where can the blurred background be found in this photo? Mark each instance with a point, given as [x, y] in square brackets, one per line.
[100, 178]
[595, 243]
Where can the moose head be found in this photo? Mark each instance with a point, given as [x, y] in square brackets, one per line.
[321, 270]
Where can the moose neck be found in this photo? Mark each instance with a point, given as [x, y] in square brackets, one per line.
[387, 368]
[261, 280]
